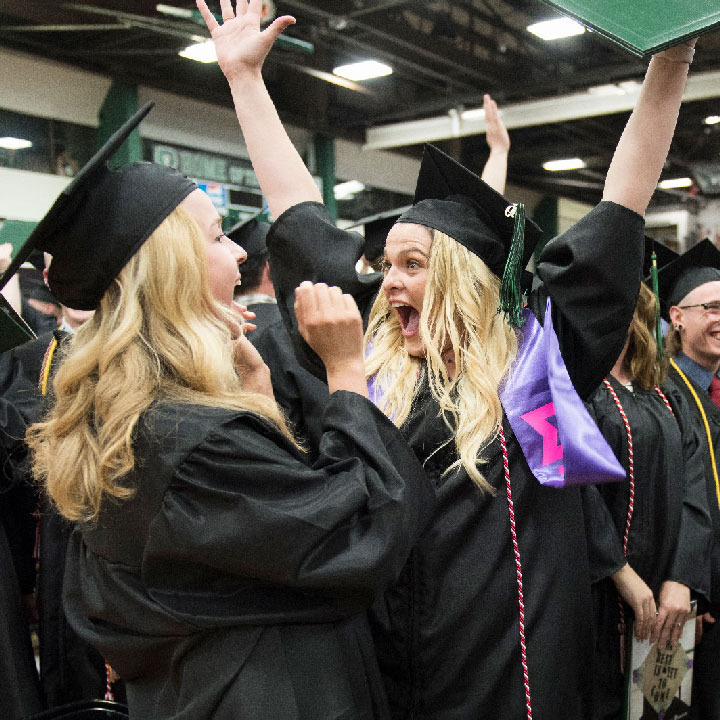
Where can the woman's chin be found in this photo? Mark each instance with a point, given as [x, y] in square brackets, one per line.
[414, 347]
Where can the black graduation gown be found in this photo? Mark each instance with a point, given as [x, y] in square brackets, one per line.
[670, 533]
[447, 633]
[20, 692]
[19, 372]
[19, 687]
[706, 669]
[234, 583]
[301, 395]
[69, 668]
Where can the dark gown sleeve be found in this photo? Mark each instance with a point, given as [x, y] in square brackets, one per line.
[13, 451]
[300, 394]
[260, 535]
[592, 274]
[691, 562]
[305, 244]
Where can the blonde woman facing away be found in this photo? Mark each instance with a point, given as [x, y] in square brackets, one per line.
[218, 573]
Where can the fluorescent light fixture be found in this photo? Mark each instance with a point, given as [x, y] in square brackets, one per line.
[556, 29]
[567, 164]
[203, 52]
[673, 183]
[175, 11]
[13, 143]
[365, 70]
[712, 120]
[348, 190]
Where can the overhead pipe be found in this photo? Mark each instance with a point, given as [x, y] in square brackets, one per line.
[462, 123]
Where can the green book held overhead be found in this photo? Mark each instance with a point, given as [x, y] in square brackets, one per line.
[644, 27]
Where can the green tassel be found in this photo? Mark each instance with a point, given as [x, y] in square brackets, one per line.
[658, 324]
[511, 302]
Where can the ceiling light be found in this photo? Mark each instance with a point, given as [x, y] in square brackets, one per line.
[567, 164]
[348, 190]
[203, 52]
[712, 120]
[13, 143]
[175, 11]
[556, 29]
[673, 183]
[365, 70]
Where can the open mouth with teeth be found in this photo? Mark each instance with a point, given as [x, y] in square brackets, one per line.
[409, 319]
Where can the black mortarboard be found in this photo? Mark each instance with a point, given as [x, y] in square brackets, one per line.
[376, 229]
[662, 252]
[100, 221]
[250, 235]
[452, 199]
[697, 266]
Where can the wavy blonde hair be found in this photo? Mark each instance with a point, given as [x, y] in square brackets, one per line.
[641, 362]
[158, 334]
[459, 315]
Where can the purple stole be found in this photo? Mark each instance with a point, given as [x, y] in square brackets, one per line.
[559, 439]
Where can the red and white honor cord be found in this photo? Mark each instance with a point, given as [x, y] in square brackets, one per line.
[518, 571]
[631, 500]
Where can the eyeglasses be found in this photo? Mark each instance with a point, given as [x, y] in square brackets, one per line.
[709, 307]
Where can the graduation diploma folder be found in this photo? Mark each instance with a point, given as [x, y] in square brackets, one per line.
[643, 27]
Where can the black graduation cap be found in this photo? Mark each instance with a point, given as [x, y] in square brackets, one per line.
[662, 252]
[452, 199]
[250, 234]
[376, 229]
[697, 266]
[100, 221]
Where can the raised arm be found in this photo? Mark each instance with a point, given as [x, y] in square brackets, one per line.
[495, 170]
[241, 50]
[644, 145]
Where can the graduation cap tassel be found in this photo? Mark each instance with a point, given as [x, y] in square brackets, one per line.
[510, 289]
[658, 324]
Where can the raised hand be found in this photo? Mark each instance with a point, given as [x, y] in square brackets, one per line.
[253, 371]
[330, 323]
[240, 45]
[496, 133]
[495, 171]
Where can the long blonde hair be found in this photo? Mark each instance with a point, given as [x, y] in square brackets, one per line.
[158, 334]
[459, 315]
[640, 360]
